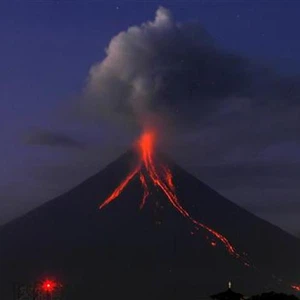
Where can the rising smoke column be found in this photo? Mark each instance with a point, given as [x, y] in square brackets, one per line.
[166, 69]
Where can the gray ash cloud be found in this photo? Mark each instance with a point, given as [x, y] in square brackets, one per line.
[165, 68]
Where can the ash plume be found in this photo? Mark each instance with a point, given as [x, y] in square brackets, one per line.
[164, 68]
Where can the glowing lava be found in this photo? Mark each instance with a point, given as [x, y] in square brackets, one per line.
[146, 190]
[161, 177]
[121, 187]
[296, 287]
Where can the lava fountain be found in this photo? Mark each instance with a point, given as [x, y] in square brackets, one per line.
[161, 177]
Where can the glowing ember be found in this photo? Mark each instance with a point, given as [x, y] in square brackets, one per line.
[296, 287]
[161, 177]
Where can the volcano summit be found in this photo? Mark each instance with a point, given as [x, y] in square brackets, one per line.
[162, 178]
[160, 233]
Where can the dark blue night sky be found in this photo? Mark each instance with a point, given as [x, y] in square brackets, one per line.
[47, 49]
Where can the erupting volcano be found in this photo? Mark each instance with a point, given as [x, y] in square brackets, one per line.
[161, 177]
[149, 239]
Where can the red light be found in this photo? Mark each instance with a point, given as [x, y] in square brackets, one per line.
[48, 286]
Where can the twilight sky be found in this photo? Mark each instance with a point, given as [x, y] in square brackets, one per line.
[225, 74]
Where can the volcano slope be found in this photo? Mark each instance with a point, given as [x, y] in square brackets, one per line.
[154, 252]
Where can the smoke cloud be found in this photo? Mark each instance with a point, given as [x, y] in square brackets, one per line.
[52, 139]
[163, 68]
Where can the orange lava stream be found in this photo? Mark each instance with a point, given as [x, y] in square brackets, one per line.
[167, 186]
[146, 190]
[162, 178]
[169, 178]
[115, 194]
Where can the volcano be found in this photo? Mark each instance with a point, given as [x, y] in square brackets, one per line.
[159, 233]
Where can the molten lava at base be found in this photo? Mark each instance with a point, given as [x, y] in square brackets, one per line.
[161, 177]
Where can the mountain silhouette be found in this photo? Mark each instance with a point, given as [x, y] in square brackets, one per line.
[153, 253]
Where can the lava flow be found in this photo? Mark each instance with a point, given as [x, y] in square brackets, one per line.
[161, 177]
[296, 287]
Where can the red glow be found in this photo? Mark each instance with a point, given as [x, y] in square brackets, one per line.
[161, 177]
[49, 286]
[146, 190]
[121, 187]
[296, 287]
